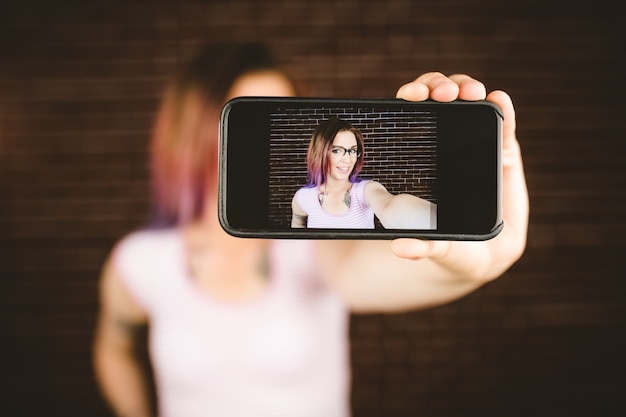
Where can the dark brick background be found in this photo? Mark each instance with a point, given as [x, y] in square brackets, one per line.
[79, 85]
[400, 151]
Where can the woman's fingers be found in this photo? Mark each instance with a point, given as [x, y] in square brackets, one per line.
[436, 86]
[469, 88]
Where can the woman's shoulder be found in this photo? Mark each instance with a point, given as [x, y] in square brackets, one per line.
[144, 258]
[362, 184]
[305, 193]
[370, 185]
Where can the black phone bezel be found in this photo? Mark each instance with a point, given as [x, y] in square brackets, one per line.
[468, 206]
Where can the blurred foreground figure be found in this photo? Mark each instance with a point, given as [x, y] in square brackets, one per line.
[244, 327]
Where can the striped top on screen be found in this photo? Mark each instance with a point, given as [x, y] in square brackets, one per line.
[359, 215]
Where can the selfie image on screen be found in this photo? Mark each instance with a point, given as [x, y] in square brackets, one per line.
[353, 168]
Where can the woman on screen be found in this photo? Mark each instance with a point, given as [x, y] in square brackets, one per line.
[336, 197]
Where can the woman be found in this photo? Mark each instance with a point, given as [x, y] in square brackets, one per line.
[335, 196]
[237, 327]
[246, 327]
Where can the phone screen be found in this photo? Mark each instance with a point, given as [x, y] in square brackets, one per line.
[437, 163]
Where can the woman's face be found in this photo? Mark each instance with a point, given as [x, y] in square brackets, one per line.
[343, 156]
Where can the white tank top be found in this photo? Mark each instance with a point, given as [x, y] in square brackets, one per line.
[359, 216]
[284, 354]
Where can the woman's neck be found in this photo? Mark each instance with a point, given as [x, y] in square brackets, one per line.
[332, 186]
[225, 267]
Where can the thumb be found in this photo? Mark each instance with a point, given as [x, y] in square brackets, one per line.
[416, 249]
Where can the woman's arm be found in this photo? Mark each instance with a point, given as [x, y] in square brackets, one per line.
[412, 273]
[298, 216]
[400, 211]
[117, 368]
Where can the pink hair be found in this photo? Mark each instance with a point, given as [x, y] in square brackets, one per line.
[184, 155]
[184, 140]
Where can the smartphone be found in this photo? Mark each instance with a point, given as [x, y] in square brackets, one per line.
[426, 170]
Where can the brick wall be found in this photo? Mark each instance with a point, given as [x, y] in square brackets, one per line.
[79, 85]
[400, 151]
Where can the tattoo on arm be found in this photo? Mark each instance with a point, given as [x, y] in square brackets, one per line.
[132, 329]
[300, 219]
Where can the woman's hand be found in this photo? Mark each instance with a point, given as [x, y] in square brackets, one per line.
[488, 259]
[414, 273]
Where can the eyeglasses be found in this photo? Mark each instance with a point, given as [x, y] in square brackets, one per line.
[339, 152]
